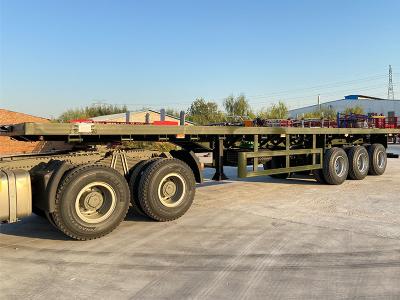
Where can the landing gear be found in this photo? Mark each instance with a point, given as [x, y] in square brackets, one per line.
[219, 160]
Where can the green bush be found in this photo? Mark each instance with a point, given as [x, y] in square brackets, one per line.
[91, 111]
[275, 111]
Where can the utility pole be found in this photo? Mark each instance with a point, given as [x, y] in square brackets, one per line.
[319, 101]
[390, 86]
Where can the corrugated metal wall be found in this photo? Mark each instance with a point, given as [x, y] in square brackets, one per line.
[370, 106]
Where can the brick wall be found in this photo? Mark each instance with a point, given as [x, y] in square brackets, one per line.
[9, 146]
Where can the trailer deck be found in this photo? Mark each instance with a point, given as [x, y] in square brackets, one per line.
[61, 131]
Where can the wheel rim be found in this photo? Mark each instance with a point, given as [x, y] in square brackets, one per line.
[362, 162]
[381, 159]
[95, 202]
[340, 166]
[171, 190]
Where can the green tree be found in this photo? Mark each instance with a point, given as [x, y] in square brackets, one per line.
[91, 111]
[203, 112]
[172, 112]
[238, 107]
[357, 110]
[274, 111]
[327, 113]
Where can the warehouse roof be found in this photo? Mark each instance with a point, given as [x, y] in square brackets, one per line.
[346, 98]
[122, 115]
[361, 97]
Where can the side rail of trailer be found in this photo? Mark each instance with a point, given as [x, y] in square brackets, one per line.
[285, 168]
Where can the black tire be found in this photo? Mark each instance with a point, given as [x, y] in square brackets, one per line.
[358, 162]
[134, 180]
[377, 159]
[180, 187]
[275, 163]
[50, 218]
[336, 166]
[100, 188]
[319, 176]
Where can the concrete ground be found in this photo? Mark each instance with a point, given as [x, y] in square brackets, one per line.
[259, 238]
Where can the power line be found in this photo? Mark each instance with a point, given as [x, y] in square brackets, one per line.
[326, 85]
[359, 89]
[285, 94]
[260, 99]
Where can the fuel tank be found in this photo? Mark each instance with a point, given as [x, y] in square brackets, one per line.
[15, 195]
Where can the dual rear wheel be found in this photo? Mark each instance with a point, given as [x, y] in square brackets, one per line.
[92, 200]
[164, 189]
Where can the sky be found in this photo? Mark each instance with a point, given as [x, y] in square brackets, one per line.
[56, 54]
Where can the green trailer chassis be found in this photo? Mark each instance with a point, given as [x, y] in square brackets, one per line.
[268, 142]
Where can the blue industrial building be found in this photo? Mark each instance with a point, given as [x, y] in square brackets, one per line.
[369, 104]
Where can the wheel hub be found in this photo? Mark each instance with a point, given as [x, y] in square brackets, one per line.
[381, 159]
[169, 189]
[94, 200]
[339, 166]
[361, 162]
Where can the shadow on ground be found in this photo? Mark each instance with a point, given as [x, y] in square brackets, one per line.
[297, 179]
[33, 227]
[38, 227]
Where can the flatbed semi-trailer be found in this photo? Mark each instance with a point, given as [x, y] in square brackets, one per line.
[86, 193]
